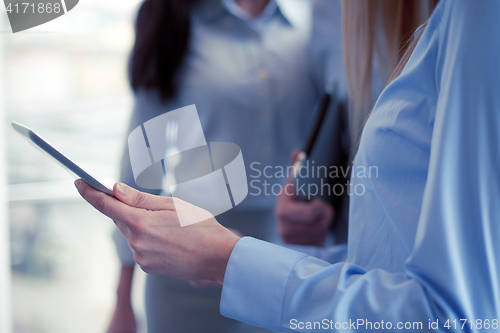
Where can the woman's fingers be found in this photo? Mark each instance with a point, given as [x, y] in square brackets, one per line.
[138, 199]
[304, 223]
[291, 210]
[124, 229]
[106, 204]
[154, 233]
[293, 156]
[322, 210]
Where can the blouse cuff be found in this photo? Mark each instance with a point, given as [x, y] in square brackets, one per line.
[255, 282]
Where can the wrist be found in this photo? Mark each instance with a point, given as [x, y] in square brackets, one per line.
[226, 248]
[123, 297]
[125, 284]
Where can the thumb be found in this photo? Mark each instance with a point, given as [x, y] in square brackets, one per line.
[134, 198]
[293, 156]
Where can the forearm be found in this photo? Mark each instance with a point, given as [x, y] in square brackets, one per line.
[125, 283]
[123, 320]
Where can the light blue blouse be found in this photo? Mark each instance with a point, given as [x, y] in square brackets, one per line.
[425, 226]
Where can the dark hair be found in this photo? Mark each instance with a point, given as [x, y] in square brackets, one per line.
[162, 32]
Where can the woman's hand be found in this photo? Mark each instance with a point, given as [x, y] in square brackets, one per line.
[160, 245]
[302, 222]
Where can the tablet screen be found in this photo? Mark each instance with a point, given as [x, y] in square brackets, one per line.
[62, 159]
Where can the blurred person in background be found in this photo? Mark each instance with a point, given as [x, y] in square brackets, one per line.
[376, 46]
[245, 65]
[422, 239]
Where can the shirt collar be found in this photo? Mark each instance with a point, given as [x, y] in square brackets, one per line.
[236, 10]
[211, 10]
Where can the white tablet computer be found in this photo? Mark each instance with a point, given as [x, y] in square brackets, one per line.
[66, 162]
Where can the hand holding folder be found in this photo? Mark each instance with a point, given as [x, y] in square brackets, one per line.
[303, 219]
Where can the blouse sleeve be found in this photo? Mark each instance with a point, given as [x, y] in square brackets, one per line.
[332, 254]
[453, 271]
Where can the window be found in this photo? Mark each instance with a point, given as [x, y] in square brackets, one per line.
[67, 81]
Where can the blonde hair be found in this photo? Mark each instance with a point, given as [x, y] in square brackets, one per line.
[376, 30]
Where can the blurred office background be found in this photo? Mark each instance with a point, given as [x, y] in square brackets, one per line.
[67, 81]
